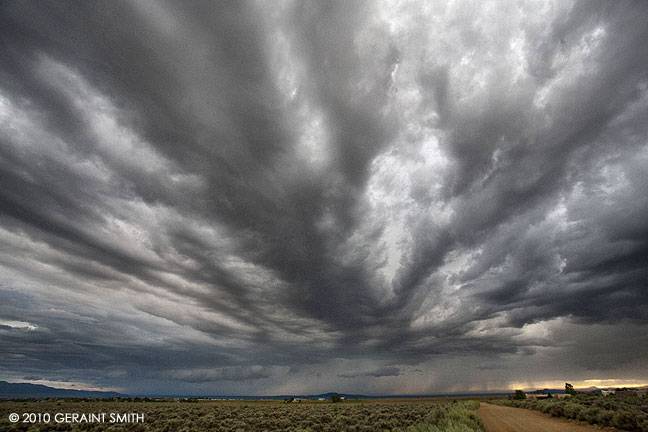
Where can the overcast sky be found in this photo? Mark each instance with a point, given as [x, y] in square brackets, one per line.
[309, 196]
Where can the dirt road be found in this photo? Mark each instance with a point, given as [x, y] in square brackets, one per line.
[506, 419]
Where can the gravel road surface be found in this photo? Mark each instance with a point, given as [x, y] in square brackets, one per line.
[507, 419]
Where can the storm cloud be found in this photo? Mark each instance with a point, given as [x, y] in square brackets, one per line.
[274, 197]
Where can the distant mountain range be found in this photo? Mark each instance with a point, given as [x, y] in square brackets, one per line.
[26, 390]
[327, 396]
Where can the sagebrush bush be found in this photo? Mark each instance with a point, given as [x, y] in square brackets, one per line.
[624, 420]
[557, 410]
[643, 426]
[605, 418]
[592, 415]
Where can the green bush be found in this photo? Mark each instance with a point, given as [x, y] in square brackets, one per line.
[574, 411]
[592, 415]
[643, 426]
[624, 420]
[545, 408]
[556, 410]
[605, 417]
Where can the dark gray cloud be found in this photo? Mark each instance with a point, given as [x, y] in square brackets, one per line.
[381, 372]
[265, 198]
[237, 373]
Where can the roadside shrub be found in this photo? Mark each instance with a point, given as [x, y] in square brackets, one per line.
[556, 410]
[545, 407]
[465, 417]
[624, 420]
[605, 417]
[578, 411]
[570, 411]
[447, 427]
[643, 426]
[592, 415]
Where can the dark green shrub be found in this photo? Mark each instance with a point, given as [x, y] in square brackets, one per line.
[545, 407]
[643, 426]
[624, 420]
[592, 415]
[556, 410]
[570, 411]
[605, 417]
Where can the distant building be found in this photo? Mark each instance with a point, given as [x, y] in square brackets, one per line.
[294, 400]
[540, 396]
[537, 396]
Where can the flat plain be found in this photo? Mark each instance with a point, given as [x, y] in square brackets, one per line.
[237, 416]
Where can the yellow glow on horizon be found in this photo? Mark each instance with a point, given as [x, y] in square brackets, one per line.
[578, 384]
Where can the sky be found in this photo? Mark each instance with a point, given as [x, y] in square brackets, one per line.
[293, 197]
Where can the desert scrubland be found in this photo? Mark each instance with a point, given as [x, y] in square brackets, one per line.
[234, 416]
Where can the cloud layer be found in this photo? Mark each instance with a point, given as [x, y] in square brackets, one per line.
[301, 196]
